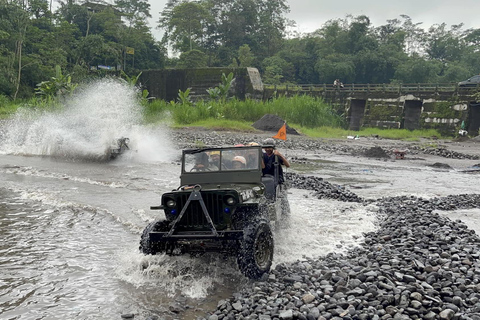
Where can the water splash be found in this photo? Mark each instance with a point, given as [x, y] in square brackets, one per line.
[87, 127]
[194, 278]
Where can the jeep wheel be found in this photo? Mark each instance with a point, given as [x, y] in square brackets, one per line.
[256, 252]
[146, 246]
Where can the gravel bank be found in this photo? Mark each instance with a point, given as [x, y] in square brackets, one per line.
[417, 265]
[190, 138]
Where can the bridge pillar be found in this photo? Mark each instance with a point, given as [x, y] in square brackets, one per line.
[473, 119]
[412, 110]
[355, 114]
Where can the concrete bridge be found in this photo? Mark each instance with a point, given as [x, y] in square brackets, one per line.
[406, 106]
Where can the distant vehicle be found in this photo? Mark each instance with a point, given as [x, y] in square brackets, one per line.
[471, 82]
[222, 206]
[118, 147]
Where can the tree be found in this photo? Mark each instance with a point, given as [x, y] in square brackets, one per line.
[184, 25]
[276, 69]
[134, 10]
[339, 66]
[192, 59]
[301, 53]
[444, 45]
[245, 57]
[418, 70]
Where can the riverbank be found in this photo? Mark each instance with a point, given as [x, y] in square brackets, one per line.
[419, 264]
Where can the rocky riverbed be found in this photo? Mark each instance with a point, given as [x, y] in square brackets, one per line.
[419, 264]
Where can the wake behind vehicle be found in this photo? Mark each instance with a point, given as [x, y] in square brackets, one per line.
[223, 205]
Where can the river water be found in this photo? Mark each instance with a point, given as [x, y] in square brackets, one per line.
[70, 222]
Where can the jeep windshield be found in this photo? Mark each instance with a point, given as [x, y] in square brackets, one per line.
[218, 165]
[231, 159]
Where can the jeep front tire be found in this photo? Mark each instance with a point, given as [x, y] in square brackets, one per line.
[256, 251]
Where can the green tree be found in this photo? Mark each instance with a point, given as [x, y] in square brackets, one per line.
[133, 10]
[443, 45]
[418, 70]
[245, 58]
[184, 24]
[337, 66]
[192, 59]
[277, 70]
[301, 53]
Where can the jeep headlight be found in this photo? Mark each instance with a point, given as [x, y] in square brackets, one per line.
[171, 203]
[230, 200]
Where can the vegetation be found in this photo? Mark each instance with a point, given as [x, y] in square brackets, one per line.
[45, 54]
[91, 39]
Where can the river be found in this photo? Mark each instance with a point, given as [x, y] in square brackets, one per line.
[70, 222]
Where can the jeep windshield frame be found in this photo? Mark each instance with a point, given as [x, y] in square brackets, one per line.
[230, 165]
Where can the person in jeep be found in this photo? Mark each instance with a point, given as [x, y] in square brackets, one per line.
[238, 163]
[215, 158]
[269, 160]
[202, 163]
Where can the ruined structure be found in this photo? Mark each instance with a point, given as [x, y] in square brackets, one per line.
[165, 84]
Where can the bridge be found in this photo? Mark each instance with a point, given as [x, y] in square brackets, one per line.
[408, 106]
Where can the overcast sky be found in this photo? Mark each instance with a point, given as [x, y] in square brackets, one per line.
[310, 15]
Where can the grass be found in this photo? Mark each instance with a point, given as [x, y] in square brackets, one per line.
[308, 115]
[339, 133]
[307, 111]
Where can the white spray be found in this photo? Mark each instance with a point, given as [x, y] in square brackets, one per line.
[87, 127]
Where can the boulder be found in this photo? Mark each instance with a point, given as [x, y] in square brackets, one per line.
[271, 122]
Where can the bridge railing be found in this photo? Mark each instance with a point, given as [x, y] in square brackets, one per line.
[383, 87]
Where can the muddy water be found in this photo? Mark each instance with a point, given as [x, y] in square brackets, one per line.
[70, 224]
[70, 232]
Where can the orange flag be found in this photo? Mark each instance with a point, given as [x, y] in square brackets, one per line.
[282, 133]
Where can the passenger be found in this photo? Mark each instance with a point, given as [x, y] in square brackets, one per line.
[252, 157]
[238, 163]
[269, 160]
[202, 163]
[215, 158]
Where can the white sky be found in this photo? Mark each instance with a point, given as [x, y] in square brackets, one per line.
[310, 15]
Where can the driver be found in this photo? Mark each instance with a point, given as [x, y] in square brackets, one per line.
[202, 163]
[269, 160]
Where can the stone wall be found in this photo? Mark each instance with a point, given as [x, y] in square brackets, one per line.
[165, 84]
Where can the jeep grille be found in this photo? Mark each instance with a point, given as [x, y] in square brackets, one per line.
[194, 216]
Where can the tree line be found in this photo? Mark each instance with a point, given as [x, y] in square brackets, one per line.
[91, 38]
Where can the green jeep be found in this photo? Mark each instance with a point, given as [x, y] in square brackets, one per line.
[224, 205]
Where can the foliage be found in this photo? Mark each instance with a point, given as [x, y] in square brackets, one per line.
[59, 85]
[244, 59]
[221, 33]
[35, 40]
[192, 59]
[221, 92]
[131, 80]
[398, 134]
[184, 98]
[303, 110]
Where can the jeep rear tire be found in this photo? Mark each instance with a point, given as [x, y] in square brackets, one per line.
[256, 251]
[146, 245]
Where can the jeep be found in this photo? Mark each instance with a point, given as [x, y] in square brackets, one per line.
[223, 204]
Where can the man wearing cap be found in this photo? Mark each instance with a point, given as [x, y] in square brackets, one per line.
[269, 160]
